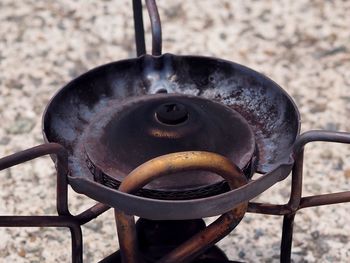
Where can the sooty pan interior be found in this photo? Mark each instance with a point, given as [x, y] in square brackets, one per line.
[269, 110]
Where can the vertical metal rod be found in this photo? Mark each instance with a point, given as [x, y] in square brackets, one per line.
[302, 140]
[62, 181]
[297, 181]
[297, 176]
[127, 237]
[156, 27]
[77, 244]
[139, 28]
[287, 238]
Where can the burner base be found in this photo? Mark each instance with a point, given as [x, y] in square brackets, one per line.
[212, 255]
[158, 238]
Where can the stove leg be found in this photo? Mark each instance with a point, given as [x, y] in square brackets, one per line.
[127, 237]
[287, 238]
[77, 244]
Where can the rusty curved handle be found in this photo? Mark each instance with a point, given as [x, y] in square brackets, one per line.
[173, 163]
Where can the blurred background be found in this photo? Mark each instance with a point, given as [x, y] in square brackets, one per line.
[302, 45]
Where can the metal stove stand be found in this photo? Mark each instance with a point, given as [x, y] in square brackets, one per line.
[144, 227]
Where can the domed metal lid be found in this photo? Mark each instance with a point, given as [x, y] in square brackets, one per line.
[126, 134]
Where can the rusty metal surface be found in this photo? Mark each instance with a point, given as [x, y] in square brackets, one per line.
[125, 135]
[127, 237]
[172, 163]
[268, 109]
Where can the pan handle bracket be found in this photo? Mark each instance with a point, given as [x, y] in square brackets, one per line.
[155, 26]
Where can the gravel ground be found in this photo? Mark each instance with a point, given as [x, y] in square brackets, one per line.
[302, 45]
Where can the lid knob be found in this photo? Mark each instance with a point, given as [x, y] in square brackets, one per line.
[171, 113]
